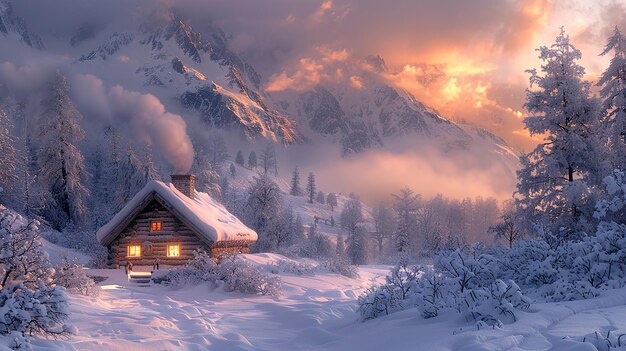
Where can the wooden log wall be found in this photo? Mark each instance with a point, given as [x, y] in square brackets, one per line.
[154, 244]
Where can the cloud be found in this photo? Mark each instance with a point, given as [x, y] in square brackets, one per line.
[424, 167]
[26, 79]
[142, 116]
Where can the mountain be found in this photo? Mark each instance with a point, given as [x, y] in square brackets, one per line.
[196, 73]
[174, 62]
[14, 25]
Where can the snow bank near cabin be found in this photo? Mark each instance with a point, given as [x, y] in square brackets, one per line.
[211, 218]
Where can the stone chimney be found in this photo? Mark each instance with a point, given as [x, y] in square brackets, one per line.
[185, 183]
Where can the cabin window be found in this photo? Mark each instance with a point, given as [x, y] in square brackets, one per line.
[156, 226]
[173, 250]
[134, 250]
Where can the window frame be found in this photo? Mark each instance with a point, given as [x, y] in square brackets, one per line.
[159, 224]
[167, 252]
[137, 251]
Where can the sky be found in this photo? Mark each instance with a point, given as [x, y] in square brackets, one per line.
[466, 59]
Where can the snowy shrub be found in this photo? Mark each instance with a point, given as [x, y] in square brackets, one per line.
[293, 267]
[318, 246]
[21, 256]
[234, 273]
[196, 271]
[339, 265]
[40, 311]
[71, 275]
[529, 262]
[243, 277]
[495, 304]
[463, 280]
[398, 293]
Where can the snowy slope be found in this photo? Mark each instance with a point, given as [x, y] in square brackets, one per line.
[315, 312]
[55, 252]
[299, 204]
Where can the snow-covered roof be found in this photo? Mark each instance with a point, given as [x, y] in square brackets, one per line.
[205, 216]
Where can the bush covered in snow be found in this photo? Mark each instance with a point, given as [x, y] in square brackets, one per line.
[339, 265]
[43, 310]
[28, 304]
[464, 281]
[71, 275]
[293, 267]
[234, 273]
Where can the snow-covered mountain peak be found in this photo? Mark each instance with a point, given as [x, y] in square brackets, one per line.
[10, 24]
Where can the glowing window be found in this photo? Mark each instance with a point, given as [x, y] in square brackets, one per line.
[156, 226]
[173, 250]
[134, 250]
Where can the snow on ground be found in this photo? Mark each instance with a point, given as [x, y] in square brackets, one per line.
[315, 313]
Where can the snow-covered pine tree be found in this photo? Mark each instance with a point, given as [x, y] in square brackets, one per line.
[351, 222]
[340, 248]
[150, 170]
[217, 150]
[239, 159]
[298, 230]
[406, 206]
[384, 225]
[208, 180]
[554, 182]
[7, 156]
[268, 159]
[310, 187]
[61, 163]
[331, 200]
[613, 118]
[320, 197]
[131, 178]
[295, 190]
[233, 170]
[252, 160]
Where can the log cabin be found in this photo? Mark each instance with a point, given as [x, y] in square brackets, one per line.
[167, 222]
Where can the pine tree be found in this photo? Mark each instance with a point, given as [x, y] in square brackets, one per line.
[310, 187]
[8, 155]
[233, 171]
[217, 151]
[130, 179]
[613, 83]
[61, 163]
[331, 200]
[351, 222]
[340, 249]
[554, 181]
[296, 190]
[268, 159]
[150, 171]
[406, 206]
[208, 180]
[252, 161]
[320, 198]
[239, 159]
